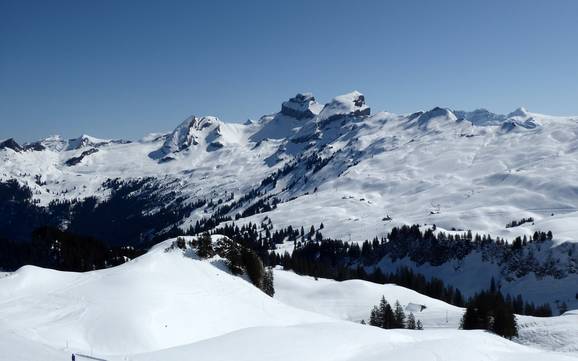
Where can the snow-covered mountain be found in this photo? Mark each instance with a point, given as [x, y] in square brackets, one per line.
[169, 304]
[357, 172]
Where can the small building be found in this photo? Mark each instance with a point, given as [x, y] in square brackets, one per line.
[414, 307]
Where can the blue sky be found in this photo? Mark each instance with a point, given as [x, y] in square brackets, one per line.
[126, 68]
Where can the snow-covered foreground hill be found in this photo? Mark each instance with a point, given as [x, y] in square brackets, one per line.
[156, 301]
[171, 305]
[352, 301]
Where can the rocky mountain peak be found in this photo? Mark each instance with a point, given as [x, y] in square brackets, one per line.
[301, 106]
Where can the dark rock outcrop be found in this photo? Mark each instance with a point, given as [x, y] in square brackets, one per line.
[301, 106]
[11, 144]
[75, 160]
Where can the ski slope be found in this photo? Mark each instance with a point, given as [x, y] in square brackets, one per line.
[170, 305]
[140, 306]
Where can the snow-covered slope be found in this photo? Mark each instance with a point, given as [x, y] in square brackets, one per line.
[170, 305]
[352, 300]
[352, 342]
[162, 299]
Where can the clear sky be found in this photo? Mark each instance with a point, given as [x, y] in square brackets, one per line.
[126, 68]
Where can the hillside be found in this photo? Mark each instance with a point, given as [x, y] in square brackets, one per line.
[170, 305]
[159, 300]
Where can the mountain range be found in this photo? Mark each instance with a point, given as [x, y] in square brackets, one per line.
[357, 172]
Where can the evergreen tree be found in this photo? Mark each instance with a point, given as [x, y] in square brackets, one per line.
[399, 316]
[205, 246]
[253, 266]
[504, 322]
[375, 317]
[458, 298]
[489, 311]
[469, 320]
[419, 325]
[268, 283]
[311, 233]
[387, 315]
[411, 321]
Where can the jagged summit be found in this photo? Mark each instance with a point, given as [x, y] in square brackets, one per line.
[350, 104]
[301, 106]
[85, 141]
[10, 144]
[188, 133]
[207, 133]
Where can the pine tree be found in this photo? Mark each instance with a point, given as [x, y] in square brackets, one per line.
[387, 315]
[411, 321]
[504, 322]
[399, 316]
[375, 317]
[181, 243]
[311, 233]
[205, 246]
[268, 283]
[470, 319]
[363, 322]
[253, 266]
[419, 325]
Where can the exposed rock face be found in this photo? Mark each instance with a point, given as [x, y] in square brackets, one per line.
[186, 134]
[75, 160]
[35, 147]
[512, 124]
[85, 141]
[520, 119]
[11, 144]
[191, 132]
[302, 106]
